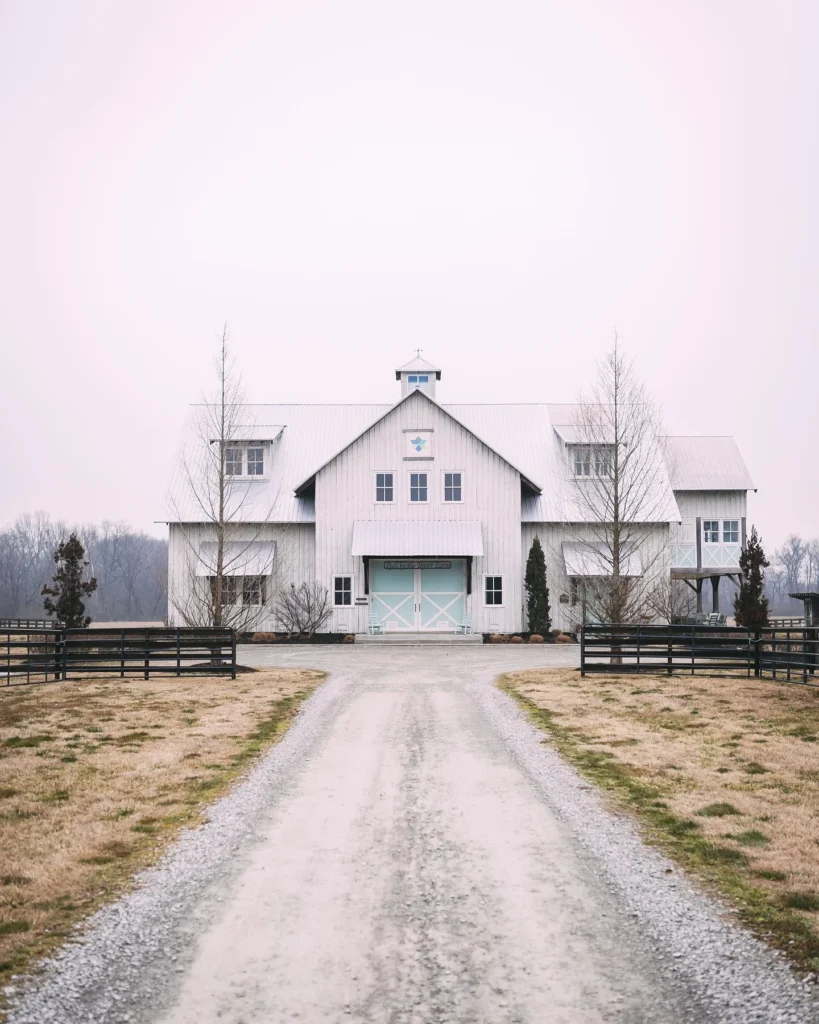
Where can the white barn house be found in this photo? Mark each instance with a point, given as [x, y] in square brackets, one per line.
[419, 516]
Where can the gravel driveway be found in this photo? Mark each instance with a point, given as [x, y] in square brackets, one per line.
[413, 852]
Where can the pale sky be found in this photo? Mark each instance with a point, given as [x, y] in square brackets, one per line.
[501, 184]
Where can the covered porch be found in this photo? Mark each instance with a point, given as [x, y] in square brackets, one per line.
[418, 575]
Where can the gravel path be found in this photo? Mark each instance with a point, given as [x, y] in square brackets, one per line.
[412, 852]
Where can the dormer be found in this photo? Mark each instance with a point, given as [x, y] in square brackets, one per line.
[418, 374]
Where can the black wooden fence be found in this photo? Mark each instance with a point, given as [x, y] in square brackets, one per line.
[788, 654]
[28, 624]
[39, 654]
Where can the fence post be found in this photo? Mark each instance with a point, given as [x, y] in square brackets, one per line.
[670, 649]
[757, 642]
[147, 653]
[122, 654]
[233, 652]
[64, 654]
[583, 649]
[178, 656]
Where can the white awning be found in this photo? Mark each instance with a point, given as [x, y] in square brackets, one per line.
[239, 558]
[416, 539]
[573, 433]
[583, 560]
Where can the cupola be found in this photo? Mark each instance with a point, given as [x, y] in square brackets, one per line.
[418, 373]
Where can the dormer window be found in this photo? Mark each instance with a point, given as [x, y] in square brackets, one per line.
[244, 461]
[592, 461]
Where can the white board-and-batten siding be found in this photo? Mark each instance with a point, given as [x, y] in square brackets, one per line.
[295, 560]
[712, 504]
[345, 492]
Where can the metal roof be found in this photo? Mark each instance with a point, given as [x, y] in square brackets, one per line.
[522, 434]
[418, 365]
[448, 410]
[586, 559]
[706, 464]
[239, 558]
[253, 432]
[416, 538]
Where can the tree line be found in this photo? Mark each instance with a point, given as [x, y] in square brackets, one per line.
[794, 570]
[131, 568]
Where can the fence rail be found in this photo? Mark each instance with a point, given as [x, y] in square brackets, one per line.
[785, 653]
[29, 653]
[29, 624]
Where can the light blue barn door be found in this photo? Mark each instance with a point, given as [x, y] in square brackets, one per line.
[392, 597]
[442, 593]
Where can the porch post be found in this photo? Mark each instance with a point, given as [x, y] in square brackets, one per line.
[715, 593]
[699, 595]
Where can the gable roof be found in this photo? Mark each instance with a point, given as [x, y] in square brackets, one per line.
[418, 365]
[446, 411]
[523, 435]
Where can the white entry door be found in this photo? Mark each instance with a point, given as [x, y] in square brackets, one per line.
[425, 598]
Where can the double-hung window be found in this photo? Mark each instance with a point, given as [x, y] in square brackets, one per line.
[452, 487]
[233, 461]
[230, 590]
[255, 461]
[493, 590]
[710, 531]
[730, 531]
[342, 591]
[602, 462]
[384, 487]
[418, 487]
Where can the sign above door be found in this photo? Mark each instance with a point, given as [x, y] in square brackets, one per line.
[418, 563]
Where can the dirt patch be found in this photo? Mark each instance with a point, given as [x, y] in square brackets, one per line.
[98, 775]
[724, 774]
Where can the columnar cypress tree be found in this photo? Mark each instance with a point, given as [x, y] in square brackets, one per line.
[750, 604]
[537, 591]
[69, 586]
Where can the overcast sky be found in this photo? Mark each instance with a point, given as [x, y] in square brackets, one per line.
[501, 184]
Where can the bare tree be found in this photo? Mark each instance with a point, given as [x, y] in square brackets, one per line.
[791, 558]
[222, 525]
[619, 494]
[672, 600]
[303, 610]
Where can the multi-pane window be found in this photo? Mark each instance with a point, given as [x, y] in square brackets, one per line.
[384, 487]
[233, 461]
[730, 531]
[417, 379]
[250, 589]
[493, 590]
[342, 590]
[230, 589]
[255, 461]
[582, 462]
[253, 590]
[710, 531]
[418, 487]
[452, 487]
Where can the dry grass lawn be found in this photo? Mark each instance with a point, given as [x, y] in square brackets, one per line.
[97, 775]
[723, 773]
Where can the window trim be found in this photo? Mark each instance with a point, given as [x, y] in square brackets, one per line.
[343, 576]
[257, 447]
[382, 472]
[452, 501]
[495, 576]
[424, 473]
[709, 532]
[738, 531]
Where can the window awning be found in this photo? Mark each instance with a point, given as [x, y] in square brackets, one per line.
[239, 558]
[416, 539]
[583, 560]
